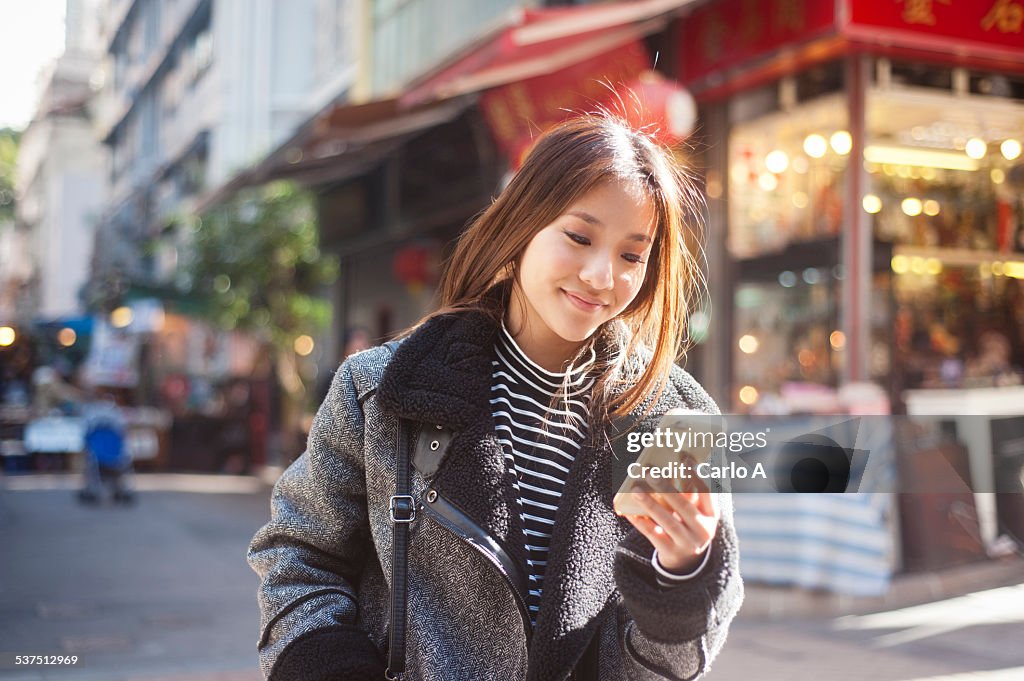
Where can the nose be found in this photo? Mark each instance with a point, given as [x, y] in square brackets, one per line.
[597, 271]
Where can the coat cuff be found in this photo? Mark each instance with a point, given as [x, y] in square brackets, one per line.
[681, 613]
[329, 654]
[670, 579]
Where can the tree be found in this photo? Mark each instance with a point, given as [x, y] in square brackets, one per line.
[9, 140]
[255, 264]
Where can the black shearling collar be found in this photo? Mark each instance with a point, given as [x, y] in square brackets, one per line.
[441, 373]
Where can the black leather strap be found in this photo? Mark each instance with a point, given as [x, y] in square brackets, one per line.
[430, 448]
[431, 444]
[403, 513]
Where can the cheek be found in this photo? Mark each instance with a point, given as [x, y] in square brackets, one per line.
[630, 283]
[553, 260]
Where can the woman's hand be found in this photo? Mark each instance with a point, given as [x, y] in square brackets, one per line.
[680, 524]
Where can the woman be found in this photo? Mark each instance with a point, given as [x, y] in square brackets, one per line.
[561, 313]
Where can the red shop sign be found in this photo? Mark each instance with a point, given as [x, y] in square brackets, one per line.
[990, 23]
[731, 32]
[518, 112]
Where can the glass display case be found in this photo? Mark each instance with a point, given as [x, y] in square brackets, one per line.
[946, 189]
[942, 188]
[787, 174]
[786, 177]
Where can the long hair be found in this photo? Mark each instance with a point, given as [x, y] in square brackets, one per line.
[641, 344]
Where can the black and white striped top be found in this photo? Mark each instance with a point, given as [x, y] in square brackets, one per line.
[540, 443]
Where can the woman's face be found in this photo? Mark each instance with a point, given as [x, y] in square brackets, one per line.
[580, 271]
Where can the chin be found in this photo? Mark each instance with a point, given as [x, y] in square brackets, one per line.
[575, 334]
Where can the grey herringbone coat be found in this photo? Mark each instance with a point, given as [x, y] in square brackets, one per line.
[324, 559]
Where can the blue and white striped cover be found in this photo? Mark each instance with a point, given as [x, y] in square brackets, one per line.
[839, 542]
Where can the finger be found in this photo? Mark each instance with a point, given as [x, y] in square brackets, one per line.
[699, 529]
[671, 486]
[667, 545]
[700, 526]
[649, 529]
[680, 502]
[669, 522]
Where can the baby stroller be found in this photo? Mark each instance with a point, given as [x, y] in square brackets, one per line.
[107, 461]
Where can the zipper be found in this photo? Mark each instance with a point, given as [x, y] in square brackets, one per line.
[463, 536]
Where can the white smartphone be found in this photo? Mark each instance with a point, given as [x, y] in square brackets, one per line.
[671, 453]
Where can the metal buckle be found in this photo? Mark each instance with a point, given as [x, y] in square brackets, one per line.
[404, 504]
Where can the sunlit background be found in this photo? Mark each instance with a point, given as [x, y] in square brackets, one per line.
[207, 205]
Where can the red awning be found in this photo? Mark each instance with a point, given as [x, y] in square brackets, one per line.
[539, 41]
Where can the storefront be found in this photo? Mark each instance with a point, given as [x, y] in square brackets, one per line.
[871, 193]
[865, 178]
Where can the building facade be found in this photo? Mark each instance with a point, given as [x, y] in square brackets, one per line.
[194, 91]
[61, 170]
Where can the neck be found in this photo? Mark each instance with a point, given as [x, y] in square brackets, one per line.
[544, 347]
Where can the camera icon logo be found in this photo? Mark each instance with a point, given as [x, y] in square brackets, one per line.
[807, 463]
[812, 464]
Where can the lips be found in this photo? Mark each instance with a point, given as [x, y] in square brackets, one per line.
[582, 302]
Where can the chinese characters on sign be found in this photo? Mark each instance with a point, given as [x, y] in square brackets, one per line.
[724, 34]
[921, 11]
[1005, 16]
[729, 32]
[989, 24]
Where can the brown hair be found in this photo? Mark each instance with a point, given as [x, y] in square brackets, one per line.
[568, 161]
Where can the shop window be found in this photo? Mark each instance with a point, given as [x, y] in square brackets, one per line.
[945, 172]
[786, 175]
[786, 320]
[946, 189]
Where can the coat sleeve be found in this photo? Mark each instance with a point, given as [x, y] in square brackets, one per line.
[676, 632]
[311, 553]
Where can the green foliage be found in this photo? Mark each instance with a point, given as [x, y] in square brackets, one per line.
[9, 140]
[255, 263]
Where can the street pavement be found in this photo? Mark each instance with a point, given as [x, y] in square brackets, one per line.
[976, 637]
[161, 592]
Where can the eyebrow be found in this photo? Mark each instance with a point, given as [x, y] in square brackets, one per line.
[590, 219]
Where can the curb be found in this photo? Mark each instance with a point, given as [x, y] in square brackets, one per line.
[764, 602]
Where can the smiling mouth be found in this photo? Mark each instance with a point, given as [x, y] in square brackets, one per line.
[582, 303]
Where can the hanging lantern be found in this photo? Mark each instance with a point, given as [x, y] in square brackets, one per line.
[663, 108]
[415, 265]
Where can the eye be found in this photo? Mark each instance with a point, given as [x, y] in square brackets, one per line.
[578, 238]
[633, 258]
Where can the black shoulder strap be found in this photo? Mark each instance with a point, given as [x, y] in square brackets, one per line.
[430, 446]
[403, 513]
